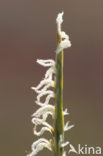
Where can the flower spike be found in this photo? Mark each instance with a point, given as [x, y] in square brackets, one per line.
[51, 87]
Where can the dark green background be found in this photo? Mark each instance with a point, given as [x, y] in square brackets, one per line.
[28, 32]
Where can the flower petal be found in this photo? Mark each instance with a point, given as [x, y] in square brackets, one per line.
[46, 63]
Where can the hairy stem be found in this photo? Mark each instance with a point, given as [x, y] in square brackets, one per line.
[59, 118]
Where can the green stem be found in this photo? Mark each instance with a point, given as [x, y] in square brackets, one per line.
[59, 118]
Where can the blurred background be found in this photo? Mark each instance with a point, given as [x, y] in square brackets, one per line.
[28, 32]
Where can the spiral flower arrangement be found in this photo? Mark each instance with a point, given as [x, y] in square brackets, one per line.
[52, 87]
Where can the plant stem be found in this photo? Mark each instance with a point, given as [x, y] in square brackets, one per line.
[59, 118]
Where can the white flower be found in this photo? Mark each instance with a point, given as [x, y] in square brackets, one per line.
[65, 42]
[39, 145]
[47, 82]
[47, 127]
[42, 110]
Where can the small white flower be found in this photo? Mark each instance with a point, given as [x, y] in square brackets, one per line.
[42, 110]
[47, 127]
[45, 82]
[65, 42]
[38, 121]
[39, 145]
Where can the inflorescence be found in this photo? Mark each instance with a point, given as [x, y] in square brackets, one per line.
[46, 88]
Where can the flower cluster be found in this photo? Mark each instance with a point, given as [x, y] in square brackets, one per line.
[46, 88]
[45, 109]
